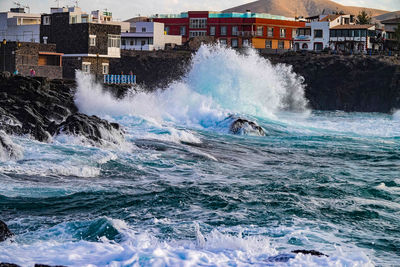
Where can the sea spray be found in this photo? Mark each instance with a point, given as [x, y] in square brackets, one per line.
[220, 82]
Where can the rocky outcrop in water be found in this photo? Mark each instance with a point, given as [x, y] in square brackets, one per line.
[92, 128]
[41, 109]
[5, 233]
[242, 126]
[310, 252]
[8, 149]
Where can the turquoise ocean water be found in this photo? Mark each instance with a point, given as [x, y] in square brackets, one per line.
[180, 190]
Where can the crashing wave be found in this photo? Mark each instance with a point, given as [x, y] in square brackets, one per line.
[8, 149]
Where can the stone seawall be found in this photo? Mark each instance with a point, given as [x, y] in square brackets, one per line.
[333, 82]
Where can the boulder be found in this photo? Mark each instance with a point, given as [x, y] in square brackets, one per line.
[92, 128]
[5, 233]
[242, 126]
[310, 252]
[9, 150]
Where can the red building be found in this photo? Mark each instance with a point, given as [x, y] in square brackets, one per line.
[234, 29]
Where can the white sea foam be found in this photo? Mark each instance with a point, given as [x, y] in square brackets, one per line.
[8, 149]
[220, 81]
[144, 249]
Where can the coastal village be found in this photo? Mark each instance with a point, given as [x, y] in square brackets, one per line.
[66, 39]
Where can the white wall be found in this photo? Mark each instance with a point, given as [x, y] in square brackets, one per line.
[153, 31]
[11, 29]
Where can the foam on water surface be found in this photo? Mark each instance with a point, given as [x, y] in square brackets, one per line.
[179, 190]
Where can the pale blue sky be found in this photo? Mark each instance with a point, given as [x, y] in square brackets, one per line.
[125, 9]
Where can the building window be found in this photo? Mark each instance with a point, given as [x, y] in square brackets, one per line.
[45, 38]
[223, 30]
[270, 32]
[260, 30]
[73, 20]
[92, 40]
[283, 33]
[143, 29]
[212, 30]
[235, 43]
[123, 42]
[105, 68]
[235, 30]
[46, 20]
[318, 46]
[183, 30]
[357, 33]
[246, 43]
[114, 41]
[198, 23]
[268, 44]
[304, 46]
[150, 41]
[318, 34]
[363, 33]
[332, 33]
[131, 42]
[281, 45]
[223, 42]
[86, 67]
[294, 33]
[197, 33]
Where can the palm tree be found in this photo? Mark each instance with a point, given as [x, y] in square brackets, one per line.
[364, 17]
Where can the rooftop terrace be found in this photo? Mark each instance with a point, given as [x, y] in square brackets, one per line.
[225, 15]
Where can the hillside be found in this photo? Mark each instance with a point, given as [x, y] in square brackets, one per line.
[290, 8]
[389, 15]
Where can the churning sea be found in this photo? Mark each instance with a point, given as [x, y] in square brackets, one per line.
[180, 190]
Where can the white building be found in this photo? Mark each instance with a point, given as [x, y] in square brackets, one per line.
[148, 36]
[355, 38]
[17, 25]
[316, 35]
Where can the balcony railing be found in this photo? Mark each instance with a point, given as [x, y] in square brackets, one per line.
[119, 79]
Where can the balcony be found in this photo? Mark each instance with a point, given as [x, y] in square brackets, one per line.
[246, 34]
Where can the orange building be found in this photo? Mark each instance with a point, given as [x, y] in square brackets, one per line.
[237, 30]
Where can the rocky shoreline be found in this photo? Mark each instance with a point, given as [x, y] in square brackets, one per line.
[43, 109]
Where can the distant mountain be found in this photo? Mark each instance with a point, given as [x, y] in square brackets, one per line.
[389, 15]
[293, 8]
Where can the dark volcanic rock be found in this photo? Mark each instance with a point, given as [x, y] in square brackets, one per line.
[310, 252]
[347, 83]
[245, 127]
[5, 233]
[92, 128]
[30, 105]
[3, 264]
[8, 150]
[42, 108]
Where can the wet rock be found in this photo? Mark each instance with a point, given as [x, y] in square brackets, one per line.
[5, 233]
[3, 264]
[92, 128]
[30, 105]
[242, 126]
[9, 150]
[41, 109]
[310, 252]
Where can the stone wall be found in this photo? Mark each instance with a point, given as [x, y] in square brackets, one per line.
[332, 82]
[24, 56]
[71, 64]
[74, 38]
